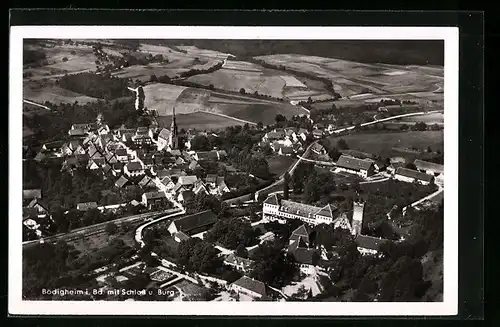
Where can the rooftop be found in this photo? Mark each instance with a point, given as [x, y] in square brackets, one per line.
[251, 285]
[369, 242]
[31, 194]
[191, 222]
[414, 174]
[299, 209]
[187, 180]
[84, 206]
[155, 195]
[134, 166]
[426, 165]
[353, 163]
[120, 182]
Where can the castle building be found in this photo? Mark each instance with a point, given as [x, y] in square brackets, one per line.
[282, 210]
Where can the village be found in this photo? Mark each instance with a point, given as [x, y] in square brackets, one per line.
[128, 205]
[149, 158]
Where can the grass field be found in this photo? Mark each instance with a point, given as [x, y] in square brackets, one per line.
[428, 119]
[279, 164]
[79, 58]
[200, 121]
[250, 80]
[352, 78]
[40, 93]
[162, 97]
[383, 143]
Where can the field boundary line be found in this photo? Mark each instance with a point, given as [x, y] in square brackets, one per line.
[230, 117]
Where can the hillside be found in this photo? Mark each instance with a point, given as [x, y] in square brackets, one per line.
[414, 52]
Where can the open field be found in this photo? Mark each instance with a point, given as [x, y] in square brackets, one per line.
[234, 80]
[257, 112]
[199, 120]
[79, 58]
[40, 93]
[383, 143]
[352, 78]
[279, 164]
[203, 53]
[162, 97]
[436, 118]
[236, 75]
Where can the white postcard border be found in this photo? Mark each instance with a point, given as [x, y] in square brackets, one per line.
[449, 306]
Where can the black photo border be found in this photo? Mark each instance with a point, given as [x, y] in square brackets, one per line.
[471, 127]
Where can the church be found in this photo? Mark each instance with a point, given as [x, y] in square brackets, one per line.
[169, 139]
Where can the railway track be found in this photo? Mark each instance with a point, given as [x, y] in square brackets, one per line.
[96, 229]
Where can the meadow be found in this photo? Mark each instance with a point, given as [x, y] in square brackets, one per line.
[40, 93]
[200, 121]
[352, 78]
[383, 143]
[79, 58]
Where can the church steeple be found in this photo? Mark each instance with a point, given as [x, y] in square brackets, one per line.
[174, 139]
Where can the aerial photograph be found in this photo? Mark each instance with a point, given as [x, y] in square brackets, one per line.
[233, 170]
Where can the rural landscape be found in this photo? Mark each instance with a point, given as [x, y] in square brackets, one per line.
[233, 170]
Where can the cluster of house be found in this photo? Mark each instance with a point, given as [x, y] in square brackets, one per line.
[286, 141]
[35, 211]
[145, 157]
[426, 172]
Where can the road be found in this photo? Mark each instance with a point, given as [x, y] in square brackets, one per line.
[138, 232]
[36, 104]
[90, 230]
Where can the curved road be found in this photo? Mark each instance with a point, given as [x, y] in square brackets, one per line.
[138, 231]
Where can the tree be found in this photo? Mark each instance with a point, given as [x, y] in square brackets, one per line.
[342, 144]
[153, 78]
[64, 59]
[242, 91]
[272, 266]
[260, 125]
[241, 251]
[111, 228]
[420, 126]
[429, 149]
[211, 86]
[280, 119]
[200, 143]
[286, 185]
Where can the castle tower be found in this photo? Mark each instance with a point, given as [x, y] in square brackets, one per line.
[357, 217]
[174, 138]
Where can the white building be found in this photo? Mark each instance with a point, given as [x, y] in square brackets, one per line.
[361, 167]
[410, 176]
[133, 169]
[249, 286]
[274, 209]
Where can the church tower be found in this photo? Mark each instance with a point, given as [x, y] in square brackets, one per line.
[174, 138]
